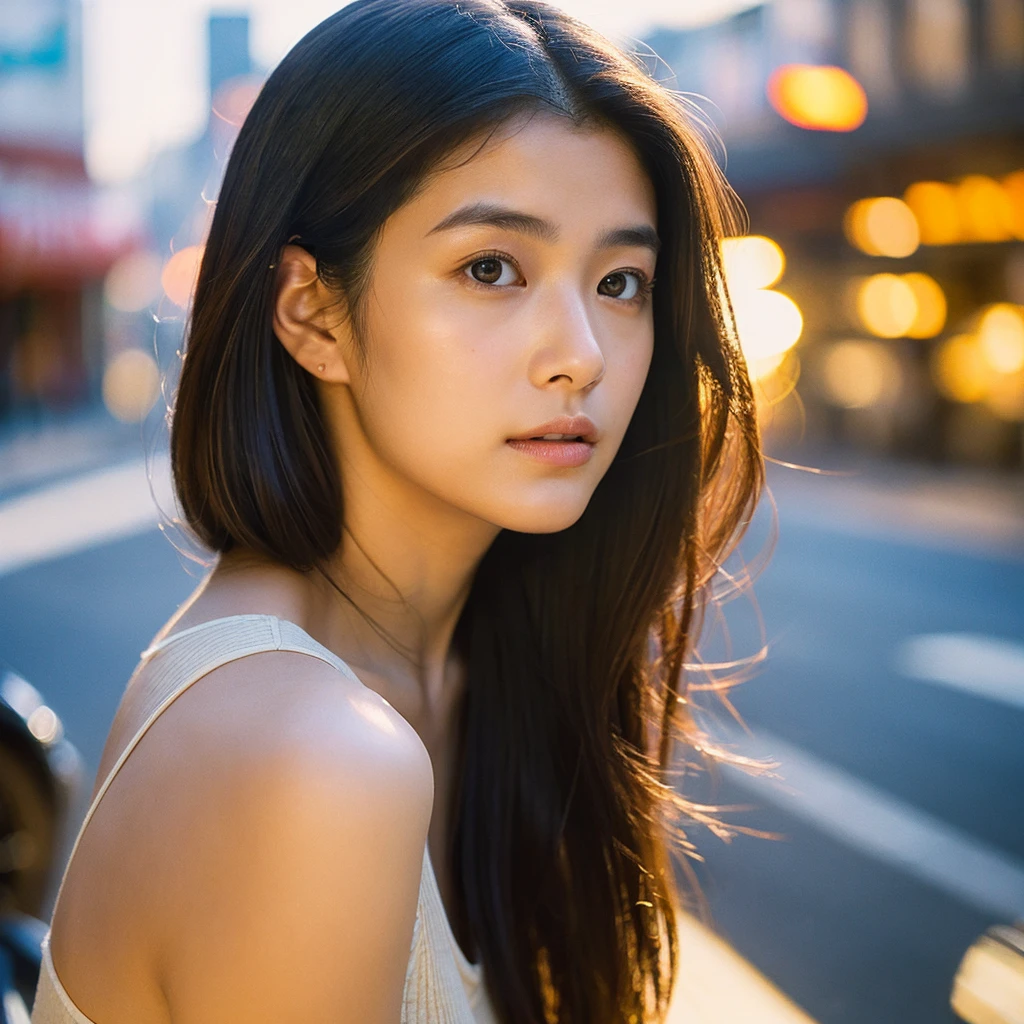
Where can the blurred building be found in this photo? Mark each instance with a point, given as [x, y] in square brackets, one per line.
[880, 144]
[59, 233]
[184, 180]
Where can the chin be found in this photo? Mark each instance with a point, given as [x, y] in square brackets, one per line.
[541, 519]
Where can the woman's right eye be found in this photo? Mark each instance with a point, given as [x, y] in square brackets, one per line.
[491, 270]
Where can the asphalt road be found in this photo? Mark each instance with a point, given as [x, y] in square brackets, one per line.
[903, 822]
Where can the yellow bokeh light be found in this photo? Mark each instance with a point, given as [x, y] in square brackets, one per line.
[131, 384]
[959, 369]
[179, 274]
[887, 305]
[818, 97]
[751, 261]
[768, 324]
[1001, 337]
[935, 207]
[986, 213]
[133, 282]
[1013, 186]
[859, 374]
[882, 226]
[931, 306]
[1005, 397]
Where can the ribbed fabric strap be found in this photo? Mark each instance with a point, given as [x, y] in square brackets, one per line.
[208, 646]
[439, 980]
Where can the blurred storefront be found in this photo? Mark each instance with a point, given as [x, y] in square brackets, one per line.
[879, 146]
[59, 233]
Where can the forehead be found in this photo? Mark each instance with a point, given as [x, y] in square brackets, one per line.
[587, 178]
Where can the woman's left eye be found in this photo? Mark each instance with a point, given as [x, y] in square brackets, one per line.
[628, 285]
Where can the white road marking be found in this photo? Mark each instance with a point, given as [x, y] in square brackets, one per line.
[983, 666]
[874, 822]
[83, 512]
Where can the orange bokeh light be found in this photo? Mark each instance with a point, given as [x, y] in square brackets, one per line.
[179, 274]
[1013, 184]
[818, 97]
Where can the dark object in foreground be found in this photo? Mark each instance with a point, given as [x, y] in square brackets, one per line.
[39, 773]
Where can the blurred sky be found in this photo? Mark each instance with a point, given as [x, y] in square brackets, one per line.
[145, 61]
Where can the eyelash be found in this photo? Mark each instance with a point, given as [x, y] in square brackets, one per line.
[645, 285]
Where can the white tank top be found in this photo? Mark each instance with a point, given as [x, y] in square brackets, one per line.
[441, 985]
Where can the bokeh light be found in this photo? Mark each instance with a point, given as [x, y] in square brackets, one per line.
[751, 261]
[133, 282]
[882, 226]
[931, 306]
[1005, 397]
[986, 212]
[768, 324]
[179, 274]
[959, 369]
[934, 205]
[1001, 337]
[858, 374]
[131, 384]
[818, 97]
[886, 305]
[1013, 186]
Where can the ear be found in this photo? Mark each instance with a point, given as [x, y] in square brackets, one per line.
[305, 318]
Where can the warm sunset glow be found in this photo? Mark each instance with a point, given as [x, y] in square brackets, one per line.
[818, 97]
[179, 274]
[882, 226]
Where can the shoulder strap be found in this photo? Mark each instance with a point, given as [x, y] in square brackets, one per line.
[207, 646]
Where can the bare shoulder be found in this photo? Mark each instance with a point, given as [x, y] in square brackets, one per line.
[294, 835]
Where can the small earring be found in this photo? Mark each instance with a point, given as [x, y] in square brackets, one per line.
[321, 367]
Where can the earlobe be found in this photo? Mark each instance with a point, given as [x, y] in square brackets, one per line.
[301, 309]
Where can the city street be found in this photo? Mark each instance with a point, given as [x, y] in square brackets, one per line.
[892, 696]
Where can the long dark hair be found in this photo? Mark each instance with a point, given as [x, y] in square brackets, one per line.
[566, 819]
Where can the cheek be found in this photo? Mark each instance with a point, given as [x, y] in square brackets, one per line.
[628, 367]
[434, 382]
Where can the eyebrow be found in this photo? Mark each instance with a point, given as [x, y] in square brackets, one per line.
[642, 235]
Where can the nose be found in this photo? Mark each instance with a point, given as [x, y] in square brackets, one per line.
[568, 354]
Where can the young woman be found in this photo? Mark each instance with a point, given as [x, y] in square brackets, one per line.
[404, 754]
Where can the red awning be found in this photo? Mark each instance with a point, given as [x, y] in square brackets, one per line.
[59, 231]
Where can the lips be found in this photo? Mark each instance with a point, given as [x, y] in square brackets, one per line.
[564, 443]
[565, 429]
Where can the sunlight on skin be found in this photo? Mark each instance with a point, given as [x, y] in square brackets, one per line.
[476, 333]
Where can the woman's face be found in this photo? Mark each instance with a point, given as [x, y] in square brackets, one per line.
[510, 292]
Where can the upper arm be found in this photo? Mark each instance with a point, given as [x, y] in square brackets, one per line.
[295, 890]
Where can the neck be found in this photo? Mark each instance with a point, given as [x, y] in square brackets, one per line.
[404, 587]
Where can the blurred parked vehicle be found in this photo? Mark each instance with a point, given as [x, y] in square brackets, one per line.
[40, 773]
[989, 985]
